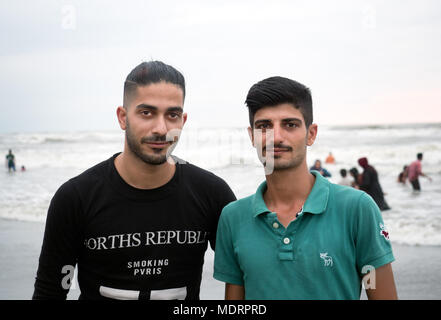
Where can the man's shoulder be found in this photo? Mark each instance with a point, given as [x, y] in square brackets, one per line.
[352, 201]
[85, 180]
[239, 209]
[414, 164]
[344, 195]
[97, 172]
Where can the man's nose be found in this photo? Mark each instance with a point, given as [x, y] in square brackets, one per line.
[160, 126]
[276, 135]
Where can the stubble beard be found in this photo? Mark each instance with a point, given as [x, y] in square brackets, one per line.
[135, 148]
[295, 162]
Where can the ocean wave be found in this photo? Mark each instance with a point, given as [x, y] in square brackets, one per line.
[58, 140]
[434, 125]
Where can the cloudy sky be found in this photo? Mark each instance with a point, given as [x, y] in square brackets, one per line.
[63, 63]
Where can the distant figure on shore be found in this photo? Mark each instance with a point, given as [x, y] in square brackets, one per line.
[345, 181]
[318, 167]
[402, 177]
[354, 174]
[414, 171]
[23, 168]
[330, 159]
[370, 184]
[10, 161]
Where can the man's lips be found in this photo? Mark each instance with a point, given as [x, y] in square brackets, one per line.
[278, 150]
[157, 144]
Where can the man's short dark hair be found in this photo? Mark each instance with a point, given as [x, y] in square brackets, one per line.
[420, 156]
[151, 72]
[277, 90]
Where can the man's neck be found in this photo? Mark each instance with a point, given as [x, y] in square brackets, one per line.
[141, 175]
[289, 188]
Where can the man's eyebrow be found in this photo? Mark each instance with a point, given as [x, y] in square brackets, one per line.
[292, 119]
[175, 109]
[262, 121]
[170, 109]
[146, 106]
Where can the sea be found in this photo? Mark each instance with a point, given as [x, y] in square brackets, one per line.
[51, 158]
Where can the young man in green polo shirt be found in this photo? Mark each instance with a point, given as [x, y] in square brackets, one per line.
[299, 236]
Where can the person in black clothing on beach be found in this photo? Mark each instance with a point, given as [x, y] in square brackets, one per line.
[136, 225]
[370, 184]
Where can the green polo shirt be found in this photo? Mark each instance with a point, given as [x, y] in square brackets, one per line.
[323, 254]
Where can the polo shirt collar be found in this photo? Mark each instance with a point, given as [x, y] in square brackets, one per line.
[316, 202]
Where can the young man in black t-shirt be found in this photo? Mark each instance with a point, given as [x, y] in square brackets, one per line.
[137, 224]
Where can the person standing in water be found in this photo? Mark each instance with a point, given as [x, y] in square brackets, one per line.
[370, 184]
[403, 175]
[354, 173]
[415, 171]
[318, 167]
[330, 159]
[345, 181]
[10, 161]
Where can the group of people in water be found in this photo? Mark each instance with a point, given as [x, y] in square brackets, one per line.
[368, 179]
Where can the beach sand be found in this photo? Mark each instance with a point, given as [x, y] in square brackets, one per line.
[415, 268]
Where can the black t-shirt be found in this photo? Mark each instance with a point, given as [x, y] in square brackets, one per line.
[130, 243]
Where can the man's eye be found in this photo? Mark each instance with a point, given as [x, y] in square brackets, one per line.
[264, 126]
[291, 125]
[174, 115]
[146, 112]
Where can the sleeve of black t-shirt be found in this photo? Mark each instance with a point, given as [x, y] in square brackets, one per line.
[222, 195]
[61, 244]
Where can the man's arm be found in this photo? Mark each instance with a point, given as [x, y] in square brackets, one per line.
[425, 176]
[234, 292]
[384, 285]
[374, 250]
[60, 247]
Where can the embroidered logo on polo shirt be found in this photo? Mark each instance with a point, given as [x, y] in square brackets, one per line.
[384, 232]
[327, 259]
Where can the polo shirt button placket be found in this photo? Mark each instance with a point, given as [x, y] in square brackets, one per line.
[286, 251]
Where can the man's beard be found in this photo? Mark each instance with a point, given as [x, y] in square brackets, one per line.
[135, 147]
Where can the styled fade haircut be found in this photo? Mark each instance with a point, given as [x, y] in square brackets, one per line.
[277, 90]
[151, 72]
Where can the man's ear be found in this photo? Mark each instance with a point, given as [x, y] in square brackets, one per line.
[184, 118]
[312, 134]
[251, 135]
[121, 114]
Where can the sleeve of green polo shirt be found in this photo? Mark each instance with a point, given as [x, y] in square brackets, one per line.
[373, 247]
[226, 266]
